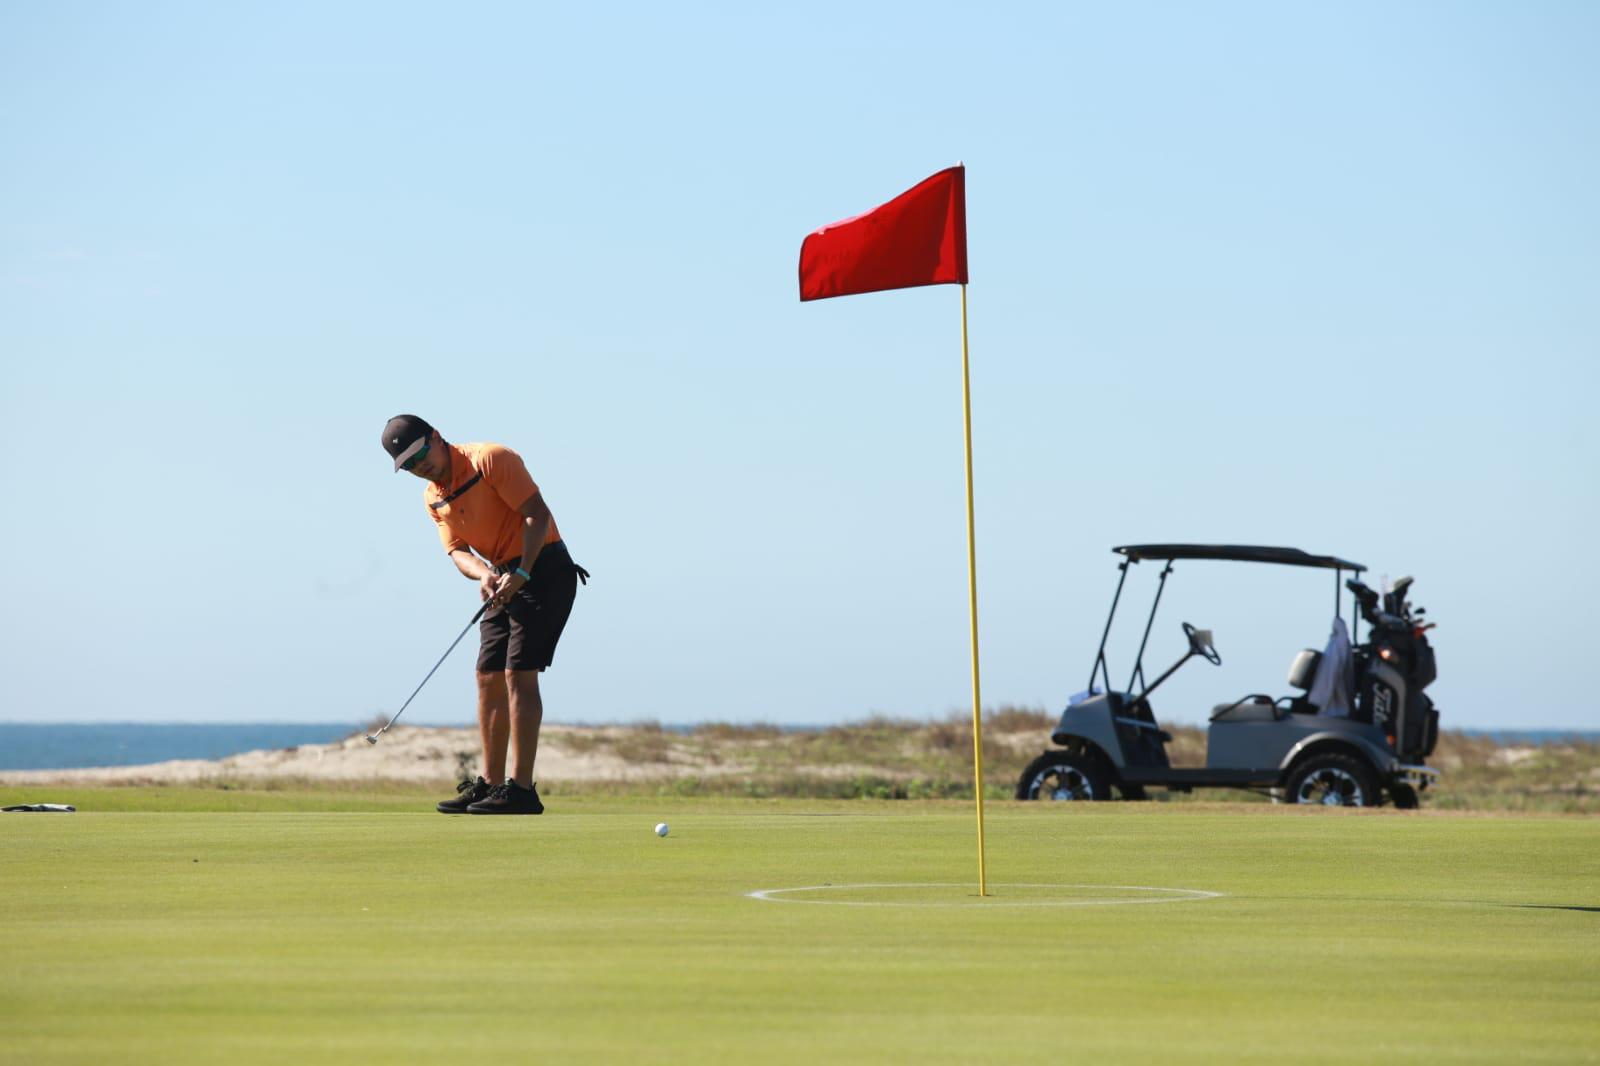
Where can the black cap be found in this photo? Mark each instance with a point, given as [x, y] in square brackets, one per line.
[404, 436]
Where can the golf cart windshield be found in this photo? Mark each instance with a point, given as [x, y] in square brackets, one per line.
[1240, 553]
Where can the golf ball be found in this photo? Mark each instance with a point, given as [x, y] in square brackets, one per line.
[661, 829]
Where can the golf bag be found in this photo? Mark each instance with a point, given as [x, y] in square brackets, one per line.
[1392, 668]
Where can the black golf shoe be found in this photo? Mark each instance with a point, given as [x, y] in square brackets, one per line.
[509, 798]
[467, 793]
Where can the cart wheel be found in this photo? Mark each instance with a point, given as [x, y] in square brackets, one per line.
[1063, 775]
[1334, 781]
[1404, 797]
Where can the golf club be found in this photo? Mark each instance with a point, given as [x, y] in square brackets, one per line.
[372, 738]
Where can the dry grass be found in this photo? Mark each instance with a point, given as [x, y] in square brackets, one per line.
[893, 758]
[1482, 774]
[732, 732]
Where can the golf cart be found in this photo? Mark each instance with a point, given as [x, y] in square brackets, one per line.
[1368, 739]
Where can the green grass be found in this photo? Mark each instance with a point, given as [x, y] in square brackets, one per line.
[213, 926]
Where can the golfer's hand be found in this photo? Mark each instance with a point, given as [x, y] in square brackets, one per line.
[486, 586]
[506, 587]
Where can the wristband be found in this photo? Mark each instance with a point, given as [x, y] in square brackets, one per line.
[520, 572]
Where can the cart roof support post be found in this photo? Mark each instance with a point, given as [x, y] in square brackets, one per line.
[1138, 661]
[1100, 656]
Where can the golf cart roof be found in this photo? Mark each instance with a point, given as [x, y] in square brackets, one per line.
[1241, 553]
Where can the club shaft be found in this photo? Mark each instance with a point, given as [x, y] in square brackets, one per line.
[435, 669]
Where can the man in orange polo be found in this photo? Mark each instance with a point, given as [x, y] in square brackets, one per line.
[496, 528]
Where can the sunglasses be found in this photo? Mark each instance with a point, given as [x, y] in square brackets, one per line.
[411, 463]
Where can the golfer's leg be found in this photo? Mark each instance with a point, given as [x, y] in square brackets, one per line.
[494, 723]
[527, 711]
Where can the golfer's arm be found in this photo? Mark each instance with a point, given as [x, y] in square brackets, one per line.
[535, 528]
[469, 565]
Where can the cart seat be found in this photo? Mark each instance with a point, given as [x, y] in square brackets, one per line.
[1303, 671]
[1251, 709]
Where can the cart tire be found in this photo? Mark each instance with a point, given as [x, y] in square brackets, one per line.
[1404, 797]
[1064, 775]
[1334, 780]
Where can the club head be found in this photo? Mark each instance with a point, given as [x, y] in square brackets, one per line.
[371, 739]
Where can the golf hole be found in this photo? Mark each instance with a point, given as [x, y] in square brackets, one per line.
[964, 894]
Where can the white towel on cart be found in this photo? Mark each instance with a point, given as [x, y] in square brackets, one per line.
[1330, 691]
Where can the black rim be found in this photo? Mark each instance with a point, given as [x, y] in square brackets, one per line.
[1331, 787]
[1061, 783]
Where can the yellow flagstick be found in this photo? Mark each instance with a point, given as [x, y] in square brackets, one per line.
[972, 592]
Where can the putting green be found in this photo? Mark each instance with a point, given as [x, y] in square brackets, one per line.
[279, 935]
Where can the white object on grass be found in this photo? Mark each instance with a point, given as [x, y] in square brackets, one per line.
[1148, 894]
[661, 829]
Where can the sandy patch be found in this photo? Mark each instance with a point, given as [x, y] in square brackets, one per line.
[1513, 756]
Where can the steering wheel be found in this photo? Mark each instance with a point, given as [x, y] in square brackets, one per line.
[1200, 644]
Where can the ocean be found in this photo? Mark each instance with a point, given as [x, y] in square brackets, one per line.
[42, 746]
[48, 746]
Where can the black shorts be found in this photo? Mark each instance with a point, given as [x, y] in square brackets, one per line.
[522, 635]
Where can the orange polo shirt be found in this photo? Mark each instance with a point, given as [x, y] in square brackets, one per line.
[479, 508]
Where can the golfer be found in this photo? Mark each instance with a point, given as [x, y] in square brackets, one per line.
[496, 528]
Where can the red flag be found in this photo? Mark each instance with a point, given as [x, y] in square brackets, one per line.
[918, 238]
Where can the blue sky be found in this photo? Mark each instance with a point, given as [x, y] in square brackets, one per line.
[1318, 275]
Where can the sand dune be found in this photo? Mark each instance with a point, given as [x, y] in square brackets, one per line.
[405, 753]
